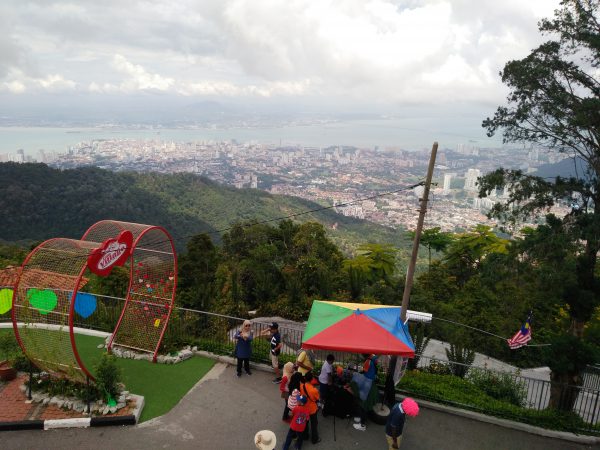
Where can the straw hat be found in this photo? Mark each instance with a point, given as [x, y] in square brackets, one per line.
[265, 440]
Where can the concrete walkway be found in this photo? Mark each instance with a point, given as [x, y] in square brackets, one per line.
[224, 412]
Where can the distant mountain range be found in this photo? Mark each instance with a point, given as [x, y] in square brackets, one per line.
[568, 167]
[39, 202]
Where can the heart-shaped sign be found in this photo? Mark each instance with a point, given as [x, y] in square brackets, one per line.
[85, 304]
[112, 252]
[6, 296]
[44, 301]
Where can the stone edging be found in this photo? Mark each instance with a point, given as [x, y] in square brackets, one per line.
[79, 422]
[82, 422]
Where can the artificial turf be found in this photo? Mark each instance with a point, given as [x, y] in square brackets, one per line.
[162, 385]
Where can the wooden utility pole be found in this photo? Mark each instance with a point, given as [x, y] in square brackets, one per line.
[415, 251]
[390, 388]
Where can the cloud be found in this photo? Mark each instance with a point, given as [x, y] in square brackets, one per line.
[19, 83]
[11, 52]
[381, 51]
[139, 78]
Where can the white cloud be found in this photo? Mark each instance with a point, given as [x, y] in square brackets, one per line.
[381, 51]
[54, 83]
[139, 78]
[19, 83]
[14, 87]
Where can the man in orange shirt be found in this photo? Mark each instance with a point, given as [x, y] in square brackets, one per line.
[312, 396]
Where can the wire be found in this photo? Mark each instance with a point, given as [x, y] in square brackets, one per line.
[484, 332]
[276, 219]
[322, 208]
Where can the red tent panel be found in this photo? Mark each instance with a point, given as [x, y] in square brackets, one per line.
[357, 334]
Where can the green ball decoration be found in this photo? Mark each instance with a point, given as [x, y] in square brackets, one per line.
[44, 301]
[6, 296]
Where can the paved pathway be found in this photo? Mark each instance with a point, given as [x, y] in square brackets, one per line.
[224, 412]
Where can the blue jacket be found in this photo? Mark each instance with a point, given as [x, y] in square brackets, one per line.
[243, 347]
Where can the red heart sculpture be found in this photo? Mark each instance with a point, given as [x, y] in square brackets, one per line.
[112, 252]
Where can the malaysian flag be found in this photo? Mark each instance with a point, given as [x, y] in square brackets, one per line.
[521, 337]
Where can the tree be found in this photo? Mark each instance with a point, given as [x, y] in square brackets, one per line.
[382, 261]
[554, 101]
[373, 264]
[466, 252]
[197, 273]
[434, 239]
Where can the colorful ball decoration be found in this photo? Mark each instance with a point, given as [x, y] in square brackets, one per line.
[85, 304]
[6, 296]
[43, 300]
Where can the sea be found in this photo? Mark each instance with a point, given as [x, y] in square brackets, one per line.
[403, 134]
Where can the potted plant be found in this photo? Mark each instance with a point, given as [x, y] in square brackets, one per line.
[9, 351]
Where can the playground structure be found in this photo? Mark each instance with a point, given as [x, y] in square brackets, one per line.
[48, 293]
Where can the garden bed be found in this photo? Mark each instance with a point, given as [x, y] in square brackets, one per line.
[161, 385]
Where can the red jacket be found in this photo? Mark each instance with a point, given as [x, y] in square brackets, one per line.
[284, 384]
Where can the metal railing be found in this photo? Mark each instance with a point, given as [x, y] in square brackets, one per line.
[522, 391]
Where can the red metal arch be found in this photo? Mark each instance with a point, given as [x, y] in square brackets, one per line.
[50, 279]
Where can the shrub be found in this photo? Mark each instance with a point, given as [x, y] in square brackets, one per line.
[108, 376]
[457, 391]
[420, 341]
[501, 386]
[9, 349]
[461, 359]
[62, 387]
[438, 368]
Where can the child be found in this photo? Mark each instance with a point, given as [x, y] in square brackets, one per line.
[395, 421]
[300, 416]
[284, 388]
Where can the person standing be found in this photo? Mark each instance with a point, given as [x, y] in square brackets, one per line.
[395, 422]
[300, 415]
[305, 361]
[284, 388]
[243, 347]
[326, 378]
[276, 345]
[370, 367]
[312, 395]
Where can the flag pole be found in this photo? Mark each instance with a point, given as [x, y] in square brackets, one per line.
[390, 388]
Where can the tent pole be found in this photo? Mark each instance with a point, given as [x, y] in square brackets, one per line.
[390, 391]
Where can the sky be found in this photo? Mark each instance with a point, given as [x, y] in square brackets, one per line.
[344, 56]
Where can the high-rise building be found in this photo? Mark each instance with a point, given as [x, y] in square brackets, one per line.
[471, 179]
[448, 182]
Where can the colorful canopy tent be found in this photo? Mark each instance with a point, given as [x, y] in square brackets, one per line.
[357, 328]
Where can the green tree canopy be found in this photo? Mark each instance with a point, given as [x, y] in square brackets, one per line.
[554, 100]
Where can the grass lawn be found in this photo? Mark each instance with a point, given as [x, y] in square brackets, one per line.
[162, 385]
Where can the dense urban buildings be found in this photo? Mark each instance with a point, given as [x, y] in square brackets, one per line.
[329, 176]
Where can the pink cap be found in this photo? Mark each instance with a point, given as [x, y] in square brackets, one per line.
[410, 407]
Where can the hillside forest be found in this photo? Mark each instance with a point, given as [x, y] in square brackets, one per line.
[479, 286]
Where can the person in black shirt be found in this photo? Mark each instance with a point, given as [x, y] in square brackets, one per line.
[276, 345]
